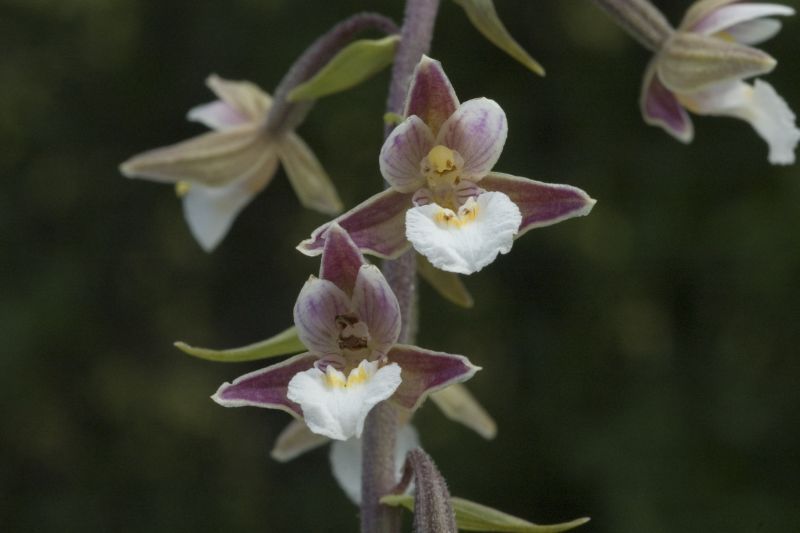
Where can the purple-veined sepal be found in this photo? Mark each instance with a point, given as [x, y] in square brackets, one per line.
[266, 387]
[661, 108]
[430, 94]
[426, 371]
[376, 226]
[541, 204]
[341, 259]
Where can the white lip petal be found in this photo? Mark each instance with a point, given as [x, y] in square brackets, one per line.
[759, 105]
[335, 405]
[345, 459]
[464, 242]
[210, 211]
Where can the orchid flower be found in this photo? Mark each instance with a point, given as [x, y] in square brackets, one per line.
[218, 173]
[444, 198]
[701, 67]
[349, 319]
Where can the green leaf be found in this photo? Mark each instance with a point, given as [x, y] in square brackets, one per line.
[471, 516]
[284, 343]
[484, 17]
[355, 63]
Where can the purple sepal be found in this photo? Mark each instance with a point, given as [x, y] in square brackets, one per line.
[340, 259]
[660, 107]
[430, 95]
[541, 204]
[265, 387]
[425, 371]
[377, 226]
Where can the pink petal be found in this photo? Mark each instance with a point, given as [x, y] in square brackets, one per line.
[377, 306]
[425, 371]
[661, 108]
[377, 226]
[430, 95]
[477, 130]
[754, 31]
[541, 204]
[725, 17]
[402, 153]
[217, 115]
[265, 387]
[315, 312]
[340, 259]
[245, 97]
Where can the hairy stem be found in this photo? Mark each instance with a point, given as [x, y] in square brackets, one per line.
[378, 471]
[285, 115]
[380, 430]
[641, 19]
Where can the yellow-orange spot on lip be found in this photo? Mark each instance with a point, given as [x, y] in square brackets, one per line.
[466, 213]
[334, 378]
[357, 375]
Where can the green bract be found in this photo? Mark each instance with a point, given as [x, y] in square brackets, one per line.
[356, 62]
[484, 17]
[471, 516]
[284, 343]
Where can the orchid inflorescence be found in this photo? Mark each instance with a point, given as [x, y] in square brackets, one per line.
[443, 201]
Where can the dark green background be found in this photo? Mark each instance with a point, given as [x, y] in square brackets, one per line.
[641, 363]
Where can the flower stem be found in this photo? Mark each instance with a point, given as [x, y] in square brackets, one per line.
[284, 115]
[641, 19]
[380, 429]
[378, 470]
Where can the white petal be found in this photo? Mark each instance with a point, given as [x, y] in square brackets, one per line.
[217, 115]
[210, 211]
[759, 105]
[346, 460]
[464, 244]
[336, 406]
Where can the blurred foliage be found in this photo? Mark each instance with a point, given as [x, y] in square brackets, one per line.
[641, 363]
